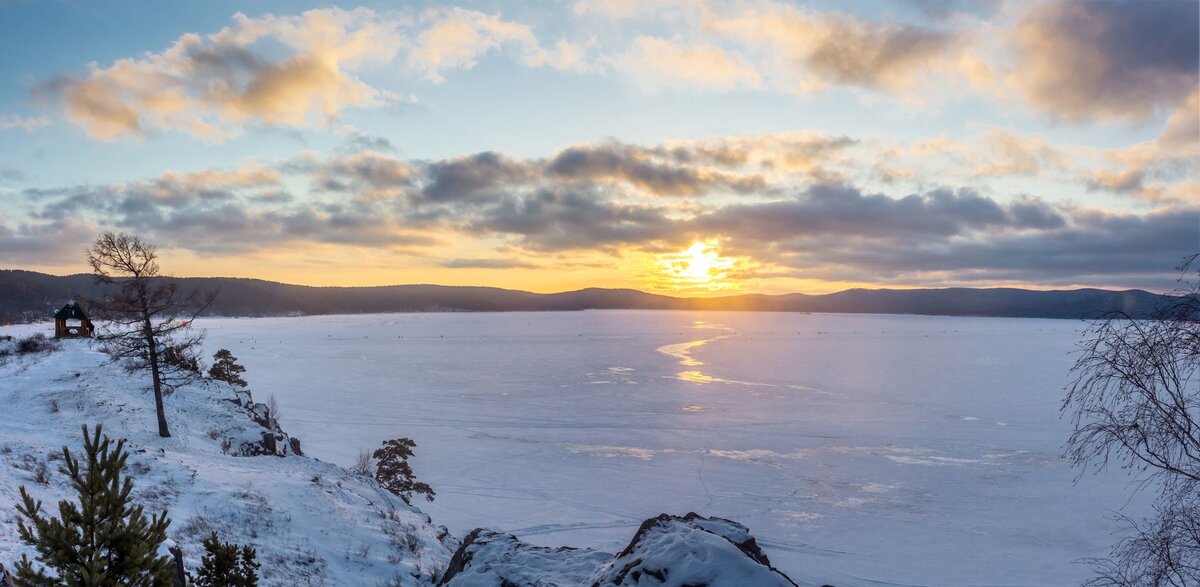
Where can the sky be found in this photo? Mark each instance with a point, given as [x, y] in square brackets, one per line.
[691, 148]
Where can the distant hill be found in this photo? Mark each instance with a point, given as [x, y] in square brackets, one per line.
[30, 296]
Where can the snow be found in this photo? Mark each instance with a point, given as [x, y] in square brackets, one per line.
[312, 522]
[858, 449]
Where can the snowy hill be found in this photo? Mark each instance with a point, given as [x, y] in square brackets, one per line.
[313, 523]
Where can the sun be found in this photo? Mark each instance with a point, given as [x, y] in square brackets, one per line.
[701, 266]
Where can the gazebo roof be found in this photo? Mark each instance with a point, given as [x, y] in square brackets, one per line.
[71, 311]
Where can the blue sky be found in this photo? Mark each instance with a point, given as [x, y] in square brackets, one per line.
[549, 146]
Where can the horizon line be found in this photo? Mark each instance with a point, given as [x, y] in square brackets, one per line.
[685, 296]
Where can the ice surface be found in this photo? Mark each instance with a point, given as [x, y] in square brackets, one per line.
[858, 449]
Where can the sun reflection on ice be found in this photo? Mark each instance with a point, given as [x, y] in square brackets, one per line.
[682, 351]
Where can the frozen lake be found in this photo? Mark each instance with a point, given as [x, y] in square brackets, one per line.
[859, 449]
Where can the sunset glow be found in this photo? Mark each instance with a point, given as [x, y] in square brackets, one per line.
[696, 147]
[701, 266]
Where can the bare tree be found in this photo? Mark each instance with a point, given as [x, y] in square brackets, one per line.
[146, 318]
[1134, 400]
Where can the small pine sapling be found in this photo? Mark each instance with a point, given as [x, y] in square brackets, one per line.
[104, 539]
[227, 565]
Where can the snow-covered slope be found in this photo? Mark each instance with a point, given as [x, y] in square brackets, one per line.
[313, 523]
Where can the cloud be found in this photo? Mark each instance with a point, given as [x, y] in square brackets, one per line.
[945, 9]
[568, 219]
[1076, 61]
[1094, 247]
[1163, 169]
[757, 195]
[835, 209]
[472, 176]
[457, 38]
[647, 169]
[1006, 153]
[356, 140]
[291, 71]
[51, 243]
[1084, 61]
[485, 264]
[657, 63]
[816, 50]
[837, 232]
[367, 172]
[25, 123]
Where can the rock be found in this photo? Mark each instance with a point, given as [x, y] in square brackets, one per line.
[666, 551]
[489, 558]
[272, 441]
[691, 550]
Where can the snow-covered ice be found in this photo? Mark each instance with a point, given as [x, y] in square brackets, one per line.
[858, 449]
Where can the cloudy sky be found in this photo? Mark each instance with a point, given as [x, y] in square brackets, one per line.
[693, 147]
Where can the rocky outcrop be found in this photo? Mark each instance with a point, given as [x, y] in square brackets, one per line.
[492, 558]
[266, 439]
[691, 550]
[666, 550]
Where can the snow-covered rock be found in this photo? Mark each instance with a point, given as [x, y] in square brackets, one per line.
[666, 551]
[313, 523]
[487, 557]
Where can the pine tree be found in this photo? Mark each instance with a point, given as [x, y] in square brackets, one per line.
[226, 368]
[104, 539]
[394, 472]
[226, 565]
[248, 567]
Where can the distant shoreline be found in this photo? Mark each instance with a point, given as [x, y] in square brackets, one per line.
[27, 296]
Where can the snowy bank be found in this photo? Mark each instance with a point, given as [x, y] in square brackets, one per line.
[313, 523]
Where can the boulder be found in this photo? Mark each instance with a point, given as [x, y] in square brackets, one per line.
[666, 551]
[691, 550]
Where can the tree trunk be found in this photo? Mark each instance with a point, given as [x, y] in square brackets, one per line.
[152, 347]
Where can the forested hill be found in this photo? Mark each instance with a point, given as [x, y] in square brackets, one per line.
[31, 296]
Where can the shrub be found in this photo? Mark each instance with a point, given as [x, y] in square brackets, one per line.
[37, 343]
[362, 464]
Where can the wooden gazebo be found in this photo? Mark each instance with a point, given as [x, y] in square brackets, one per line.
[72, 322]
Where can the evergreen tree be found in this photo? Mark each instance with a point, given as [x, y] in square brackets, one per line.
[394, 472]
[226, 368]
[248, 567]
[227, 565]
[104, 539]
